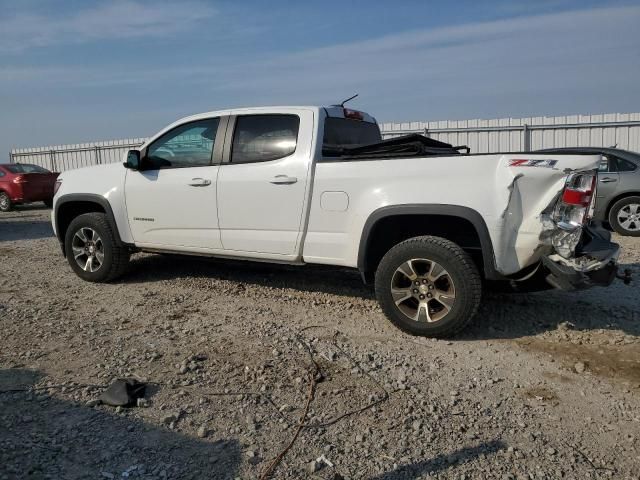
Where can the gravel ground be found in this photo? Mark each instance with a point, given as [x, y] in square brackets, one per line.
[541, 386]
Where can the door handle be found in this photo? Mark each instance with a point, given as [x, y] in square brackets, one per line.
[283, 180]
[608, 180]
[199, 182]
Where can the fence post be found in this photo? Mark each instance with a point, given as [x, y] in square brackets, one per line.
[52, 157]
[526, 138]
[98, 160]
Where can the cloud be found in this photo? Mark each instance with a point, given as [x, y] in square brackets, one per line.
[119, 19]
[561, 63]
[555, 53]
[556, 42]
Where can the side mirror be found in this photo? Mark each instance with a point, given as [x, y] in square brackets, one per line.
[133, 160]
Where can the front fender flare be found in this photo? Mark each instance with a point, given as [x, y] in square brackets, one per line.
[86, 198]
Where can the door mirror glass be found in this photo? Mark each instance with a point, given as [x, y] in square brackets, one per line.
[133, 160]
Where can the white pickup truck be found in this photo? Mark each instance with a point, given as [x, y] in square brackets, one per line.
[430, 226]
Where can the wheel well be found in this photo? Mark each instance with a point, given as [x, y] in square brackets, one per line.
[391, 230]
[70, 210]
[619, 197]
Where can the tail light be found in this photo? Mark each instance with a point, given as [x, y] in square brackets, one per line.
[352, 114]
[579, 189]
[574, 207]
[19, 179]
[573, 210]
[56, 186]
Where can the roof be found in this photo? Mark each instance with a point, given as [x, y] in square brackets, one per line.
[332, 110]
[585, 149]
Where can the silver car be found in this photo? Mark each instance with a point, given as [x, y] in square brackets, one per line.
[618, 191]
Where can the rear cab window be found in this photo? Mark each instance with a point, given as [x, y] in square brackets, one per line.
[342, 133]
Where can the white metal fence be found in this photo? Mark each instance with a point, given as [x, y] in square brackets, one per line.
[67, 157]
[481, 136]
[527, 134]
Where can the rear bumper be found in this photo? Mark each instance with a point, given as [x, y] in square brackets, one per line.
[595, 262]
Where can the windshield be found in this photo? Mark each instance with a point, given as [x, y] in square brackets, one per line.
[26, 168]
[347, 133]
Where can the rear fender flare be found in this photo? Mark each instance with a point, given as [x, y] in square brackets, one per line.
[466, 213]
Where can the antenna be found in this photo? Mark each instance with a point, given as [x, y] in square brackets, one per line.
[348, 100]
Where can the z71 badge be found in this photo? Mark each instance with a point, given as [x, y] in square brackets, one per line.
[532, 163]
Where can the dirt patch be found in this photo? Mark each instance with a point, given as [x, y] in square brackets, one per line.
[540, 394]
[616, 362]
[227, 348]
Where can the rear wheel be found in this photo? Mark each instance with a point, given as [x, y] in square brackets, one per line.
[624, 216]
[428, 286]
[5, 202]
[92, 250]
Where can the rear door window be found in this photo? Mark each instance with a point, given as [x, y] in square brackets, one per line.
[606, 165]
[625, 165]
[262, 138]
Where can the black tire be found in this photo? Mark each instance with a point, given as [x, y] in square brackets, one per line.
[115, 257]
[5, 202]
[616, 209]
[460, 270]
[48, 203]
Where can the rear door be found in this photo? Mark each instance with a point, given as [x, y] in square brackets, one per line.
[263, 181]
[37, 182]
[39, 186]
[608, 183]
[171, 202]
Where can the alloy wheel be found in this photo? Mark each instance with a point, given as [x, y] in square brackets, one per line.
[423, 290]
[88, 249]
[629, 217]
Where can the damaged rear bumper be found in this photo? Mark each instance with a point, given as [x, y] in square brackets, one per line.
[595, 262]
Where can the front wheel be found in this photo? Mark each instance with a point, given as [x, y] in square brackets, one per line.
[5, 202]
[428, 286]
[624, 216]
[92, 250]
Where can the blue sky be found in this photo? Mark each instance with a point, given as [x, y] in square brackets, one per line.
[81, 70]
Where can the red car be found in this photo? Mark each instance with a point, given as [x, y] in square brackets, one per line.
[24, 183]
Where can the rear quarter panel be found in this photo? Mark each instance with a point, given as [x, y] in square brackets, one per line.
[509, 198]
[7, 185]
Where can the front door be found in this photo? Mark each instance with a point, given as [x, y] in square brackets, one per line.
[262, 185]
[171, 201]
